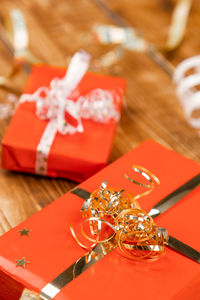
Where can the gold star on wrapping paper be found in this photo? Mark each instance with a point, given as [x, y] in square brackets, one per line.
[22, 262]
[24, 231]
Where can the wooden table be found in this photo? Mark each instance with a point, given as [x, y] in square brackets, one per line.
[58, 28]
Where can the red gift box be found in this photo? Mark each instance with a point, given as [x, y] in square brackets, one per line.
[76, 156]
[50, 248]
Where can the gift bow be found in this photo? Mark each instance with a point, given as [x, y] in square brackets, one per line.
[65, 115]
[134, 230]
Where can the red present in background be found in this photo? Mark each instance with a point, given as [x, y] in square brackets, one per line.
[74, 156]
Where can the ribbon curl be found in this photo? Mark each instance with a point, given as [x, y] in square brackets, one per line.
[187, 80]
[134, 231]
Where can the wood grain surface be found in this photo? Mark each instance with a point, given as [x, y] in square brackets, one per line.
[58, 28]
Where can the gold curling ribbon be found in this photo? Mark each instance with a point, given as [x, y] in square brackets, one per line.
[178, 24]
[134, 231]
[17, 33]
[16, 39]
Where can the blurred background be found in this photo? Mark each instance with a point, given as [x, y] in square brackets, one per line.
[161, 34]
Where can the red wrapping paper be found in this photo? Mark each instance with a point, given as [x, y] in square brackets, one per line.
[51, 249]
[76, 156]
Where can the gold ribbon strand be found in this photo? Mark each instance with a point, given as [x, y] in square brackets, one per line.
[133, 230]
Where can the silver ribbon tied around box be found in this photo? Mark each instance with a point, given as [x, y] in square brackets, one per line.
[55, 101]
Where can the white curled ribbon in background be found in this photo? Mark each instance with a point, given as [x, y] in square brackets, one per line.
[53, 104]
[187, 79]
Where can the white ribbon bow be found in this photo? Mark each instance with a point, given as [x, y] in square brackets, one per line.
[53, 104]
